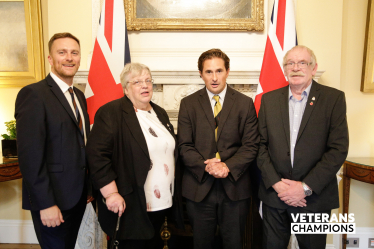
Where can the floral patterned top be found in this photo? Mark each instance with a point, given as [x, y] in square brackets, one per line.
[159, 185]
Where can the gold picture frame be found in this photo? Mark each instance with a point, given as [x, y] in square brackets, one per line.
[136, 22]
[367, 80]
[34, 58]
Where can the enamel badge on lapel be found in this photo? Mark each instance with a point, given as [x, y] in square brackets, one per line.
[314, 98]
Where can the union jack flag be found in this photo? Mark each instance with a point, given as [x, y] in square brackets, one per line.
[281, 38]
[111, 52]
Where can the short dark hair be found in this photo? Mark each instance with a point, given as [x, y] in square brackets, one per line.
[59, 36]
[210, 54]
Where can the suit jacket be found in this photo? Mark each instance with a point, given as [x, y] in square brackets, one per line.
[237, 143]
[320, 150]
[117, 150]
[51, 149]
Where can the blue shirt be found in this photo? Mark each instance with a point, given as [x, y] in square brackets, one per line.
[296, 111]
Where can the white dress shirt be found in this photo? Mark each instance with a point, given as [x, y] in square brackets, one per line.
[65, 90]
[221, 97]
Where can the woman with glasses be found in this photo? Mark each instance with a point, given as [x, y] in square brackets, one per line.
[132, 156]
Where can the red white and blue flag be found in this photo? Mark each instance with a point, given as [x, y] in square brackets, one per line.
[110, 54]
[281, 38]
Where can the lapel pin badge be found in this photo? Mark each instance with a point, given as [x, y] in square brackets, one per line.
[311, 103]
[314, 98]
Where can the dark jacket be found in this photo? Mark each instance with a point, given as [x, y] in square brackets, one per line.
[321, 147]
[237, 143]
[51, 150]
[117, 150]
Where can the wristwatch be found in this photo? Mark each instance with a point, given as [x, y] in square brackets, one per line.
[307, 191]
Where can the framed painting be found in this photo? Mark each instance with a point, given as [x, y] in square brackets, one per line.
[367, 81]
[203, 15]
[21, 45]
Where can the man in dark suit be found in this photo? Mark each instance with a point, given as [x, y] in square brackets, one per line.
[218, 140]
[52, 127]
[304, 142]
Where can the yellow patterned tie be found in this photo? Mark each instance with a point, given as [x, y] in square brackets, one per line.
[217, 110]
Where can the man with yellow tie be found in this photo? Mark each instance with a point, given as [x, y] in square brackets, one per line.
[218, 140]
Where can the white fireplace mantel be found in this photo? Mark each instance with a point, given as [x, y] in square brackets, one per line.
[171, 86]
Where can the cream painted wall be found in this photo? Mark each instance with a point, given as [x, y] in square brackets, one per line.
[333, 29]
[360, 106]
[70, 16]
[10, 192]
[319, 26]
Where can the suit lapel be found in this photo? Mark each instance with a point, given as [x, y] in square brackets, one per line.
[314, 93]
[163, 119]
[283, 103]
[167, 125]
[207, 107]
[133, 124]
[228, 103]
[61, 97]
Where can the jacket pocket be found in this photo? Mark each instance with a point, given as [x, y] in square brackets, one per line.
[55, 168]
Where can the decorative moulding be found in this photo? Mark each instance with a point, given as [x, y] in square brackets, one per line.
[190, 77]
[172, 86]
[194, 53]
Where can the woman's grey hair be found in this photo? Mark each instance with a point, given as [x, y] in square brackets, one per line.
[135, 69]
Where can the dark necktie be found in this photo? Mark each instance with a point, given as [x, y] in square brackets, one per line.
[79, 119]
[217, 110]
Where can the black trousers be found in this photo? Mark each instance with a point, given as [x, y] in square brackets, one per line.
[65, 235]
[277, 229]
[157, 219]
[217, 209]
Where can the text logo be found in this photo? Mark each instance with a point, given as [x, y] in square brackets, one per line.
[317, 223]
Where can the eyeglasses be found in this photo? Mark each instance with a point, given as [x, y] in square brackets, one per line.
[300, 64]
[139, 83]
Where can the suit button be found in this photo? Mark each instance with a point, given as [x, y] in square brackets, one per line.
[290, 172]
[83, 168]
[288, 153]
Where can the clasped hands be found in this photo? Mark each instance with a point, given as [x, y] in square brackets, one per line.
[216, 168]
[291, 192]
